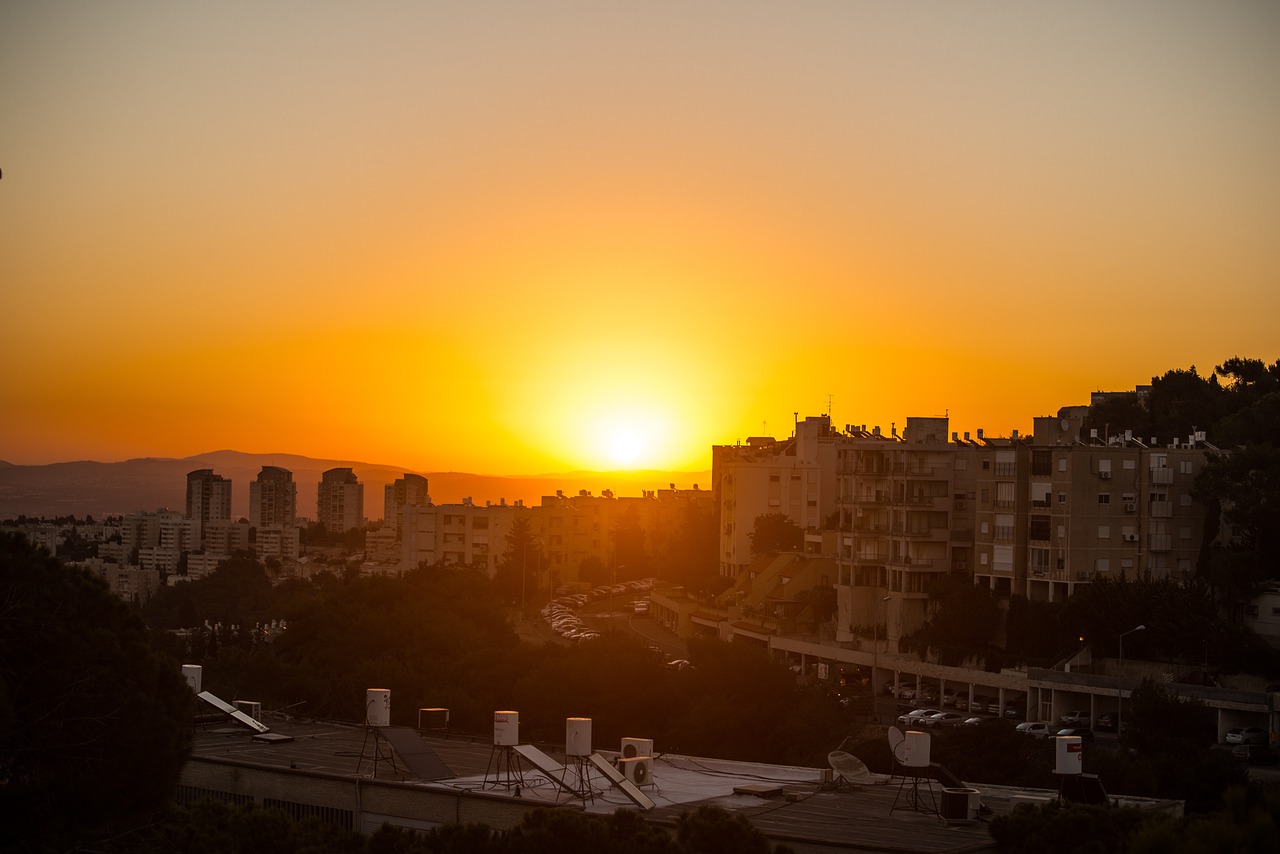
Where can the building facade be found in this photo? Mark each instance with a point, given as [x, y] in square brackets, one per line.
[273, 498]
[340, 500]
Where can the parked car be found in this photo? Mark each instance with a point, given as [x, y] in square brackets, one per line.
[1106, 723]
[1077, 718]
[1015, 709]
[1084, 732]
[978, 703]
[1254, 754]
[944, 719]
[971, 721]
[916, 716]
[1035, 728]
[905, 693]
[1247, 735]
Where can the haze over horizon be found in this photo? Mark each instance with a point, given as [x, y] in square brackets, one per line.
[510, 238]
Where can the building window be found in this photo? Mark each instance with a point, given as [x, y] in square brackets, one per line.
[1062, 498]
[1039, 528]
[1041, 462]
[1062, 464]
[1104, 497]
[1102, 564]
[1104, 532]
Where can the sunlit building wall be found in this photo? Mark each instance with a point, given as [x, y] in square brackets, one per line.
[904, 523]
[795, 476]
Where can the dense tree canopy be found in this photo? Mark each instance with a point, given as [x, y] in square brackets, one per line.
[94, 724]
[775, 532]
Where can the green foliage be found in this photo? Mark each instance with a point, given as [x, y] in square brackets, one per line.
[692, 558]
[630, 555]
[710, 830]
[517, 571]
[775, 532]
[1067, 828]
[94, 724]
[964, 623]
[1035, 632]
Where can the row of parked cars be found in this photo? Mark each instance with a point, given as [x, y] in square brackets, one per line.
[978, 704]
[936, 718]
[561, 613]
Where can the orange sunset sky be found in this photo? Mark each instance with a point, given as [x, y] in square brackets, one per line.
[514, 237]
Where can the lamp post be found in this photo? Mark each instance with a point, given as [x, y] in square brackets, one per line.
[875, 659]
[1120, 690]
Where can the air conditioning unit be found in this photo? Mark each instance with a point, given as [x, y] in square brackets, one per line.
[1130, 538]
[1105, 475]
[1082, 575]
[633, 747]
[1131, 507]
[638, 770]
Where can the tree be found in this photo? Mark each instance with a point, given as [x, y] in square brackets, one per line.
[630, 557]
[94, 723]
[775, 532]
[516, 574]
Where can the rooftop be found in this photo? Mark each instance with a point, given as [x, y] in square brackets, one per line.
[799, 806]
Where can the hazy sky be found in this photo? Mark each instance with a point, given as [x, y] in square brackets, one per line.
[524, 237]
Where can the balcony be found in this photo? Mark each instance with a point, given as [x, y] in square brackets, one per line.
[1163, 476]
[1159, 542]
[1161, 509]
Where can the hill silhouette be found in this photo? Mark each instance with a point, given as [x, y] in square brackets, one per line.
[86, 487]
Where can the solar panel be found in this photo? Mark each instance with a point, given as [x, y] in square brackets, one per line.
[615, 776]
[422, 760]
[225, 707]
[544, 763]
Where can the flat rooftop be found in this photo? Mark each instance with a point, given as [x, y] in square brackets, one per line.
[795, 805]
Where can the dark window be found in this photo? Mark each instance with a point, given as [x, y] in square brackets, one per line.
[1039, 528]
[1042, 462]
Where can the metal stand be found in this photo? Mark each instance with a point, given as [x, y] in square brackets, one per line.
[575, 779]
[505, 770]
[909, 790]
[382, 752]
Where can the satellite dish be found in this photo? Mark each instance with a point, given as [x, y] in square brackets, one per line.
[851, 769]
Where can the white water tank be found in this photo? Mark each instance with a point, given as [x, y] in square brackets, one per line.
[915, 751]
[377, 707]
[1070, 757]
[506, 729]
[194, 674]
[577, 737]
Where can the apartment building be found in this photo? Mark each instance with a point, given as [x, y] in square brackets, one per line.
[905, 522]
[407, 491]
[796, 476]
[208, 499]
[1064, 509]
[456, 534]
[340, 500]
[273, 499]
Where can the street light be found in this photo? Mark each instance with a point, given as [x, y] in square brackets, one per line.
[875, 659]
[1120, 689]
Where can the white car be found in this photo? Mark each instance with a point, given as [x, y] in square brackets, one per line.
[916, 716]
[945, 719]
[1035, 728]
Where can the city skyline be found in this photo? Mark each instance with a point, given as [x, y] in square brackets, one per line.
[513, 240]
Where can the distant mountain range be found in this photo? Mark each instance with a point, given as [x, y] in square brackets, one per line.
[100, 489]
